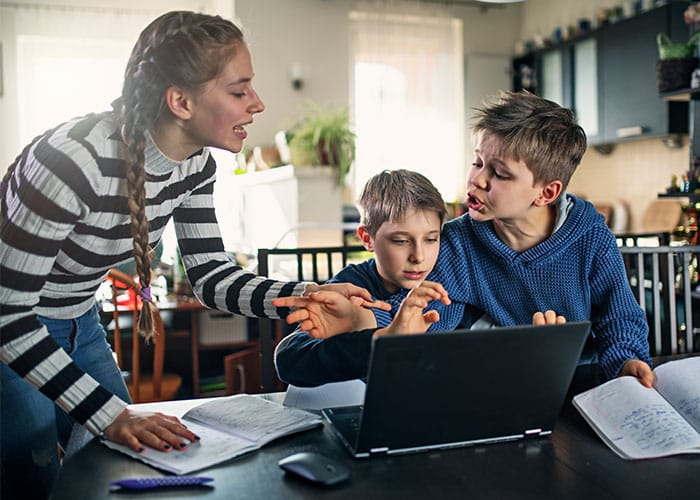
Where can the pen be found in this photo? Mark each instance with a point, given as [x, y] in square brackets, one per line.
[144, 483]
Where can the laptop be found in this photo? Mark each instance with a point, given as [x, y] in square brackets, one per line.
[459, 388]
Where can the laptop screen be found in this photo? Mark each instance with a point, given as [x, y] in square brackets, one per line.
[450, 388]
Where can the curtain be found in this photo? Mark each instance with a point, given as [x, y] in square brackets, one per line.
[69, 62]
[408, 93]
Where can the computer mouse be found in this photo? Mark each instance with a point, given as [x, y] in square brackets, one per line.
[315, 467]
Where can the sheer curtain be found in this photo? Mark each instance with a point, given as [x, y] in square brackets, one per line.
[70, 62]
[408, 93]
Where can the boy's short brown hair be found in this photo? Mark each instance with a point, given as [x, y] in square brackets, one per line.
[390, 194]
[542, 134]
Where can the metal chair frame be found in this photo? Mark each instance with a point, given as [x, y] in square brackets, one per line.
[661, 279]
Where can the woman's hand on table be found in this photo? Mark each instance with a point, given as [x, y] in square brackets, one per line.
[136, 429]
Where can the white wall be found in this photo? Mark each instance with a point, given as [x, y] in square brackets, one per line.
[540, 17]
[315, 33]
[280, 33]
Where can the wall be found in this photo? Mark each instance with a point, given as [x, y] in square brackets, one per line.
[540, 17]
[315, 33]
[283, 32]
[635, 173]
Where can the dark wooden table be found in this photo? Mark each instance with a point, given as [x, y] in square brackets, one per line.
[572, 463]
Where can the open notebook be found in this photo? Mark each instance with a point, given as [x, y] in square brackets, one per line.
[442, 390]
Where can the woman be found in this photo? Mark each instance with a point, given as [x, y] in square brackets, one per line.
[89, 195]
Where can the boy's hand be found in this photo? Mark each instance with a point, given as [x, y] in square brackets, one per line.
[348, 290]
[640, 370]
[433, 291]
[324, 314]
[547, 318]
[410, 317]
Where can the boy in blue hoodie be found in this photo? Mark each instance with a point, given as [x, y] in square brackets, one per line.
[527, 245]
[402, 214]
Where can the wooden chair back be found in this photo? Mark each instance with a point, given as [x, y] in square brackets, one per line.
[143, 387]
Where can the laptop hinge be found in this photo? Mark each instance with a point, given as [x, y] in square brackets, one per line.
[536, 432]
[382, 450]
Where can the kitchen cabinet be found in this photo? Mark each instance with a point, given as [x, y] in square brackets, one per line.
[628, 97]
[553, 75]
[566, 74]
[608, 77]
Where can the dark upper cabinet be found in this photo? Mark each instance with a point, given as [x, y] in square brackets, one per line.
[608, 78]
[627, 93]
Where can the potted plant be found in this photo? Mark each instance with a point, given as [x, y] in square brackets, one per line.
[323, 137]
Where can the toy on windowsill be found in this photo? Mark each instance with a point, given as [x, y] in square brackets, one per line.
[690, 182]
[685, 184]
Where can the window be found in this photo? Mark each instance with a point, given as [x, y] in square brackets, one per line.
[408, 96]
[60, 78]
[69, 62]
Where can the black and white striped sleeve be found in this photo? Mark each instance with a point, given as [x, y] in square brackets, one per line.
[215, 280]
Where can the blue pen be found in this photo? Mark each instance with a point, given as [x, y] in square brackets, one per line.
[145, 483]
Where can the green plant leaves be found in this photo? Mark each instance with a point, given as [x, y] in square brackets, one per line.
[323, 137]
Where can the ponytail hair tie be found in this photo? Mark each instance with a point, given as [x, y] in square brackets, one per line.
[146, 294]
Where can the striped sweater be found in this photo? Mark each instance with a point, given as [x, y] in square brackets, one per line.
[68, 222]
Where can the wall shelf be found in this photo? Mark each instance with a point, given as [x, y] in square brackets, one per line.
[693, 197]
[681, 95]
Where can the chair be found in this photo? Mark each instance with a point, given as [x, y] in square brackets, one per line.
[242, 371]
[298, 264]
[664, 280]
[143, 388]
[659, 221]
[661, 216]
